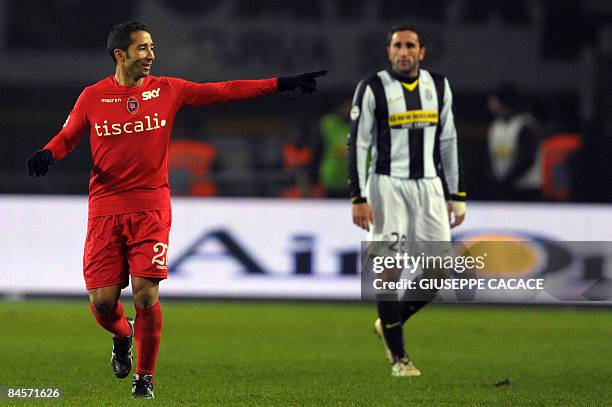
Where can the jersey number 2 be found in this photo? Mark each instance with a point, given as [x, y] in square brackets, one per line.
[160, 259]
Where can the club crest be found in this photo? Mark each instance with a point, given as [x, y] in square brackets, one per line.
[132, 105]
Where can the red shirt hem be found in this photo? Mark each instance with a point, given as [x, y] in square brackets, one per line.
[130, 201]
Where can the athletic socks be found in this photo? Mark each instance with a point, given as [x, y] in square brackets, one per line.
[409, 308]
[413, 300]
[113, 321]
[389, 314]
[147, 330]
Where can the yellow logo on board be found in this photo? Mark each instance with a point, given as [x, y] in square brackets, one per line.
[507, 256]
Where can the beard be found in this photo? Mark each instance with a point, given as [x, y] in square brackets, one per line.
[137, 71]
[405, 68]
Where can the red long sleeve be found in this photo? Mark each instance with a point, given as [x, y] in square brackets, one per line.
[202, 94]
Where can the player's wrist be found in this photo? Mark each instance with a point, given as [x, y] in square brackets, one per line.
[49, 154]
[287, 83]
[358, 200]
[458, 197]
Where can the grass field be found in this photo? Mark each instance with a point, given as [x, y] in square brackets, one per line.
[243, 353]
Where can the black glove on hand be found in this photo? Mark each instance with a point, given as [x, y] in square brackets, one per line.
[39, 162]
[306, 82]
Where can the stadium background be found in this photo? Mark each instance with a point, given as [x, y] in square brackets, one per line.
[262, 162]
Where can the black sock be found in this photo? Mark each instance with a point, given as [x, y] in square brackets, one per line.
[413, 300]
[389, 313]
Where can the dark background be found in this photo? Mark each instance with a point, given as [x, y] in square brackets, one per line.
[558, 54]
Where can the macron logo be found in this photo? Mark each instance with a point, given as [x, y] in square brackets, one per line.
[150, 94]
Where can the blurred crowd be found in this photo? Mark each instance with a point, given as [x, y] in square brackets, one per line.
[546, 135]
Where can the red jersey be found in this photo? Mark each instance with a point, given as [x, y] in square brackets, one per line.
[130, 131]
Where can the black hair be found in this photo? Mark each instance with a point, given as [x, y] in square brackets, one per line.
[120, 36]
[404, 27]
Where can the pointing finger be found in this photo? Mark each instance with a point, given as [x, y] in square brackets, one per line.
[316, 74]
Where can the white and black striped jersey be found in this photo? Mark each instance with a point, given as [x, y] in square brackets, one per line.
[410, 133]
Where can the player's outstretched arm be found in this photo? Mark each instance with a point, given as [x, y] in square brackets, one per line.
[307, 82]
[38, 163]
[203, 94]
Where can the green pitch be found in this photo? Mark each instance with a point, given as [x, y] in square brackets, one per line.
[218, 353]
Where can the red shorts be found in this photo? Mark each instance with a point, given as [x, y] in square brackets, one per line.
[129, 243]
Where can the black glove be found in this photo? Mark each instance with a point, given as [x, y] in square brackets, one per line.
[306, 82]
[39, 162]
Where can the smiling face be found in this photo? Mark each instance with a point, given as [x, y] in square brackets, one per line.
[136, 62]
[405, 52]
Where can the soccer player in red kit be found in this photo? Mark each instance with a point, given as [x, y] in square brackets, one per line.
[130, 117]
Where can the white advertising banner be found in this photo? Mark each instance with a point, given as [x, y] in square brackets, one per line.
[269, 248]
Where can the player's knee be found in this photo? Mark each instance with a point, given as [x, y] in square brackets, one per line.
[146, 298]
[103, 306]
[145, 302]
[145, 292]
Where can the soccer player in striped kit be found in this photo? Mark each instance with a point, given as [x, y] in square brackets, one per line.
[130, 115]
[414, 192]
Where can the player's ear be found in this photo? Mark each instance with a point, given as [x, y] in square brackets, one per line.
[119, 55]
[422, 53]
